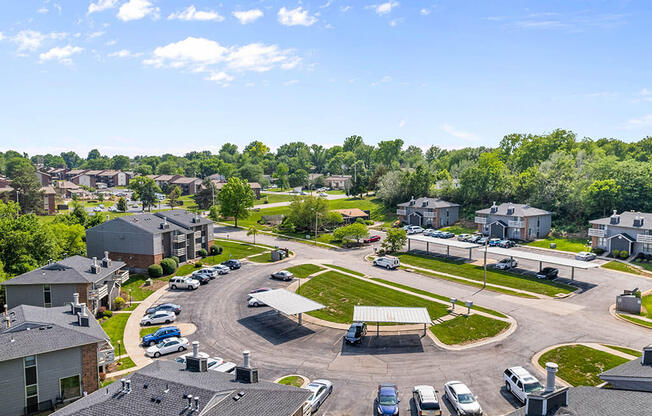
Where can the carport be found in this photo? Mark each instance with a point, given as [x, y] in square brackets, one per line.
[542, 258]
[287, 302]
[448, 242]
[391, 314]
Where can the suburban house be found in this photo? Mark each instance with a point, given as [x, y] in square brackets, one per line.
[428, 212]
[189, 186]
[73, 173]
[338, 181]
[352, 214]
[58, 173]
[255, 186]
[112, 178]
[96, 281]
[628, 231]
[145, 239]
[633, 375]
[166, 387]
[517, 221]
[49, 357]
[164, 180]
[67, 189]
[49, 205]
[44, 178]
[87, 178]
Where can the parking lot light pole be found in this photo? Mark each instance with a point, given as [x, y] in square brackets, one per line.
[484, 284]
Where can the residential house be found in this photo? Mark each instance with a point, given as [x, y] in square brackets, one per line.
[87, 178]
[163, 181]
[217, 177]
[113, 178]
[170, 388]
[188, 186]
[49, 357]
[338, 181]
[49, 204]
[96, 281]
[255, 186]
[73, 173]
[145, 239]
[629, 231]
[352, 214]
[513, 221]
[633, 375]
[43, 178]
[66, 189]
[58, 173]
[428, 212]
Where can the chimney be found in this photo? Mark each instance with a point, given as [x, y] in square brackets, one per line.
[551, 371]
[106, 261]
[538, 404]
[195, 363]
[75, 299]
[189, 398]
[494, 207]
[195, 349]
[646, 358]
[7, 317]
[615, 218]
[75, 306]
[128, 383]
[82, 317]
[95, 267]
[245, 359]
[246, 373]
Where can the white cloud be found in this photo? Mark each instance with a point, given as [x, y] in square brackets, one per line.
[345, 9]
[459, 134]
[124, 53]
[191, 13]
[111, 42]
[291, 82]
[31, 40]
[401, 124]
[101, 5]
[395, 22]
[205, 55]
[136, 10]
[639, 122]
[295, 17]
[326, 5]
[42, 10]
[383, 8]
[248, 16]
[220, 77]
[62, 55]
[2, 36]
[425, 12]
[96, 34]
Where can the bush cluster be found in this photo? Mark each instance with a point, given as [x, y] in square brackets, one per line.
[168, 265]
[155, 270]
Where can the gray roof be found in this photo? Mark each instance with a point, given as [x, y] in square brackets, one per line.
[520, 210]
[634, 368]
[627, 220]
[51, 329]
[146, 222]
[183, 218]
[214, 389]
[592, 401]
[430, 203]
[74, 269]
[184, 179]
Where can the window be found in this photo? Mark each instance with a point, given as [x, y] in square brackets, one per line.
[70, 387]
[47, 296]
[31, 383]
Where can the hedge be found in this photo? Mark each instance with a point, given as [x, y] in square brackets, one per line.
[155, 270]
[168, 265]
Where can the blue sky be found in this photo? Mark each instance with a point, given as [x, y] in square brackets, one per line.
[155, 76]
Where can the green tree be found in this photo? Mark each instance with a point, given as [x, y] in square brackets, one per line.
[303, 213]
[299, 178]
[144, 169]
[389, 151]
[395, 240]
[602, 196]
[173, 197]
[28, 190]
[145, 190]
[391, 189]
[17, 166]
[207, 195]
[281, 173]
[214, 213]
[355, 231]
[93, 154]
[253, 230]
[236, 197]
[120, 162]
[122, 204]
[69, 238]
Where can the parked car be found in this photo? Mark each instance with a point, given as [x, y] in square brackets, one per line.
[506, 244]
[304, 193]
[220, 269]
[323, 194]
[428, 232]
[414, 229]
[183, 283]
[482, 240]
[437, 234]
[232, 264]
[406, 227]
[460, 396]
[356, 331]
[548, 273]
[387, 399]
[160, 317]
[207, 271]
[505, 264]
[494, 242]
[255, 302]
[463, 237]
[283, 275]
[447, 234]
[161, 334]
[426, 401]
[520, 383]
[585, 256]
[474, 238]
[372, 239]
[172, 307]
[388, 262]
[320, 390]
[202, 278]
[167, 346]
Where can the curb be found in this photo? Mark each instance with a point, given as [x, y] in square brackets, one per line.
[305, 379]
[612, 312]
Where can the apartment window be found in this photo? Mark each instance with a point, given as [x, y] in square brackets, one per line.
[47, 296]
[447, 213]
[602, 227]
[602, 242]
[70, 387]
[31, 383]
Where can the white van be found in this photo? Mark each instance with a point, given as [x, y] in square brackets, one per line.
[183, 282]
[520, 383]
[387, 262]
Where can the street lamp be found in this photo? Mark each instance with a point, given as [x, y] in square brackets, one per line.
[484, 283]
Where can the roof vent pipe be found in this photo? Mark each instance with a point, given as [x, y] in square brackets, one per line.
[128, 382]
[551, 371]
[75, 299]
[245, 358]
[189, 398]
[196, 403]
[123, 381]
[195, 349]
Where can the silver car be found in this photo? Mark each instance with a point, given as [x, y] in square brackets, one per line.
[585, 256]
[461, 398]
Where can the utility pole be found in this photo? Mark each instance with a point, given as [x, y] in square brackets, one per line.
[484, 284]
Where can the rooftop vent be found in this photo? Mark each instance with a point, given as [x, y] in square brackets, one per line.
[646, 358]
[164, 225]
[95, 267]
[195, 363]
[106, 261]
[638, 221]
[615, 218]
[412, 201]
[510, 209]
[538, 404]
[425, 203]
[82, 317]
[494, 208]
[246, 374]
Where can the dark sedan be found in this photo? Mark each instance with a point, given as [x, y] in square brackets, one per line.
[283, 275]
[548, 273]
[232, 264]
[165, 307]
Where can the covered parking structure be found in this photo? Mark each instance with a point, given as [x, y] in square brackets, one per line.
[441, 242]
[542, 258]
[287, 302]
[391, 314]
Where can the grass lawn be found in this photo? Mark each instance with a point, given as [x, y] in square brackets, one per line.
[185, 269]
[464, 329]
[646, 302]
[344, 269]
[115, 328]
[580, 365]
[304, 270]
[621, 267]
[148, 330]
[636, 321]
[272, 198]
[130, 308]
[440, 297]
[647, 266]
[460, 229]
[339, 293]
[336, 192]
[262, 258]
[574, 245]
[188, 203]
[629, 351]
[126, 363]
[295, 381]
[499, 277]
[134, 283]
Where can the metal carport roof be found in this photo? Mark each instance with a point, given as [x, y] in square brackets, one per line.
[542, 258]
[391, 314]
[287, 302]
[443, 241]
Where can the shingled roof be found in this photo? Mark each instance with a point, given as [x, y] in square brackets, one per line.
[74, 269]
[520, 210]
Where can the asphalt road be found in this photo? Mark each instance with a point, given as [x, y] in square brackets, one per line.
[226, 327]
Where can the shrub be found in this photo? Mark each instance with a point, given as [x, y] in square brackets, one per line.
[107, 314]
[597, 250]
[168, 265]
[624, 254]
[202, 252]
[198, 264]
[615, 253]
[214, 251]
[219, 249]
[155, 270]
[176, 260]
[648, 257]
[100, 311]
[119, 303]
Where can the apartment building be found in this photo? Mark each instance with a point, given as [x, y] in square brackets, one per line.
[428, 212]
[514, 221]
[628, 231]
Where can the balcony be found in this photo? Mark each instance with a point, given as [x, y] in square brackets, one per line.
[179, 252]
[644, 238]
[105, 355]
[401, 212]
[197, 234]
[121, 276]
[480, 220]
[515, 224]
[179, 238]
[100, 292]
[428, 214]
[596, 232]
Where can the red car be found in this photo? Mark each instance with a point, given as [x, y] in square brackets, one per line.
[372, 239]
